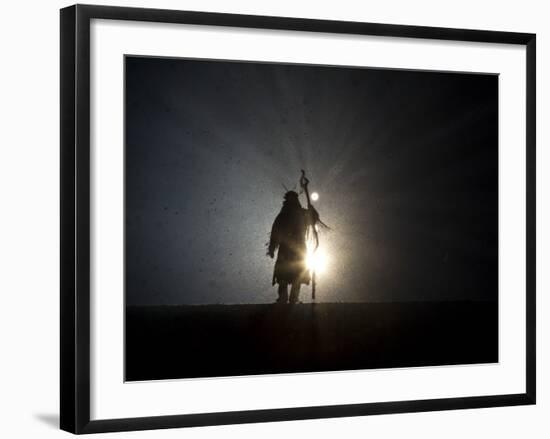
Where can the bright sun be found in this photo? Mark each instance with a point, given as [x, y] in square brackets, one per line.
[314, 196]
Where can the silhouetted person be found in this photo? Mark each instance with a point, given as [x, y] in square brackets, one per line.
[288, 234]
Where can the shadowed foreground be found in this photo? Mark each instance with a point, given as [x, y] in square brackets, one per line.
[226, 340]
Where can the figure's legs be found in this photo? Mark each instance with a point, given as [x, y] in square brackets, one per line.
[294, 292]
[283, 293]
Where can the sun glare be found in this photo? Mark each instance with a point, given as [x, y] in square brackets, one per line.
[314, 196]
[316, 261]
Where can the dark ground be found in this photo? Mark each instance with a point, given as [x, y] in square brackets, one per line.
[226, 340]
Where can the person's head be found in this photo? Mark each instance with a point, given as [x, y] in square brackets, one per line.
[291, 199]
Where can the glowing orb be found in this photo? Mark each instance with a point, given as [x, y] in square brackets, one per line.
[314, 196]
[316, 261]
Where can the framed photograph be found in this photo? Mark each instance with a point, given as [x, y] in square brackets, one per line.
[267, 219]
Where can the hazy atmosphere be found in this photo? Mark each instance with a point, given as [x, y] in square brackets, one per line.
[405, 164]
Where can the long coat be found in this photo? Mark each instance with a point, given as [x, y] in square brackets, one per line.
[288, 234]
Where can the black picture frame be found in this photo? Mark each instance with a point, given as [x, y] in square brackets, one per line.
[75, 217]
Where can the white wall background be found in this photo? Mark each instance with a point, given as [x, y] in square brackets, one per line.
[29, 248]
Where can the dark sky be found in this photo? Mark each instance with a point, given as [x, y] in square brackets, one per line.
[405, 164]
